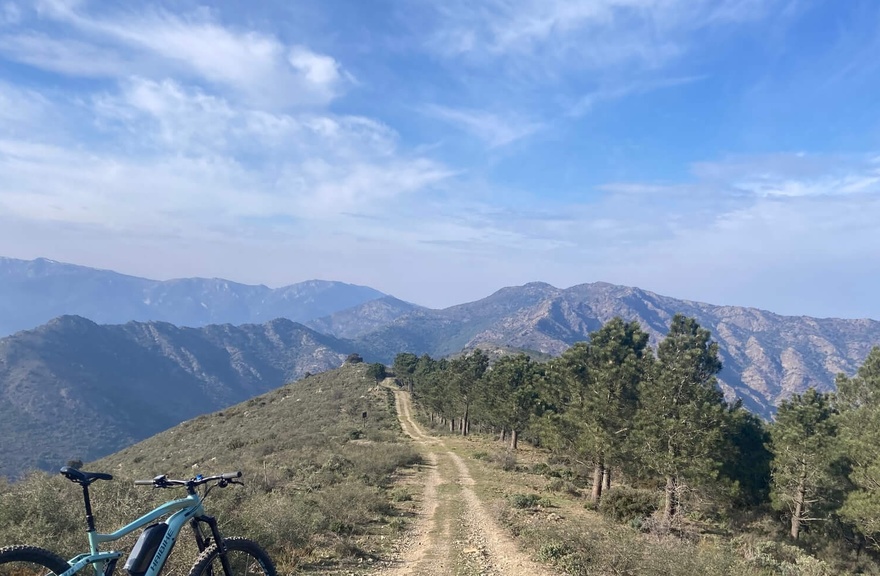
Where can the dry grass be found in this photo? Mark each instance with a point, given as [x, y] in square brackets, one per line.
[319, 478]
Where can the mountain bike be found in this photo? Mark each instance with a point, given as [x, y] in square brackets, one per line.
[218, 556]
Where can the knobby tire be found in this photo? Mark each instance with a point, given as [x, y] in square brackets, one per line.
[246, 558]
[25, 561]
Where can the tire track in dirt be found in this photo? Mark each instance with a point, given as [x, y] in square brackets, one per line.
[454, 533]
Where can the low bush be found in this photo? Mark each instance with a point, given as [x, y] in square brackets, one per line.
[524, 500]
[624, 504]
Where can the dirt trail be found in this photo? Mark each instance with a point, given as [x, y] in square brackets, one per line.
[454, 533]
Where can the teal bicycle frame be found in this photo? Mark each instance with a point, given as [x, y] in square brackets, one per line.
[185, 509]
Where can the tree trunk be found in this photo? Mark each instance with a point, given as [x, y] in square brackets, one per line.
[799, 497]
[514, 437]
[465, 422]
[598, 474]
[607, 478]
[669, 507]
[503, 435]
[452, 424]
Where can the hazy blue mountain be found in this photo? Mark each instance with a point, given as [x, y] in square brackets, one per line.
[363, 318]
[32, 292]
[75, 389]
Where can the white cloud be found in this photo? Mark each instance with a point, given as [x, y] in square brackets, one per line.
[581, 33]
[66, 56]
[183, 159]
[151, 41]
[494, 129]
[318, 69]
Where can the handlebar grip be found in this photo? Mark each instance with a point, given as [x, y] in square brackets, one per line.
[231, 475]
[143, 482]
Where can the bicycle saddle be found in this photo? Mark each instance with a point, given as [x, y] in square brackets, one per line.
[84, 478]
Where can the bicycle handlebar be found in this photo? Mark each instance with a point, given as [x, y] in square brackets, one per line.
[164, 482]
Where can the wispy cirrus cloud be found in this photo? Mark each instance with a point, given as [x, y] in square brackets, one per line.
[581, 33]
[151, 41]
[586, 103]
[67, 56]
[494, 129]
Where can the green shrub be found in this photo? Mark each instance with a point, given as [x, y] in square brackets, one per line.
[553, 552]
[524, 500]
[623, 504]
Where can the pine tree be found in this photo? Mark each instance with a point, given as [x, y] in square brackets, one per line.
[465, 376]
[858, 400]
[603, 377]
[746, 457]
[404, 367]
[681, 411]
[803, 442]
[510, 395]
[619, 364]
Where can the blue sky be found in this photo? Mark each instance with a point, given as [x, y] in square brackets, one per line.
[718, 150]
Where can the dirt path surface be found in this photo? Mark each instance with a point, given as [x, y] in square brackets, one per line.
[454, 534]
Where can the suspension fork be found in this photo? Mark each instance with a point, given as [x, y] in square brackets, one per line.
[204, 542]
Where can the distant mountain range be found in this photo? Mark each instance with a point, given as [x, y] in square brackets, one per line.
[74, 388]
[32, 292]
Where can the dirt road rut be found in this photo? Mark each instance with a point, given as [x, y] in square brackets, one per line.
[454, 534]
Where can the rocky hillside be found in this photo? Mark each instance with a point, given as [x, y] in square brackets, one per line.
[74, 389]
[767, 357]
[35, 291]
[364, 318]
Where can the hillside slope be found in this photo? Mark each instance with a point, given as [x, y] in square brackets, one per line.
[75, 389]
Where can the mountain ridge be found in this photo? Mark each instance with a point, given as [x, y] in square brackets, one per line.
[32, 292]
[767, 356]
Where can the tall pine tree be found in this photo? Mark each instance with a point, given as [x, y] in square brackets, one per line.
[681, 411]
[510, 395]
[803, 441]
[858, 400]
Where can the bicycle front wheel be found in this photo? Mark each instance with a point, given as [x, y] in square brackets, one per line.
[246, 558]
[30, 561]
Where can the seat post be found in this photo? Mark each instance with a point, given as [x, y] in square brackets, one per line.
[90, 520]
